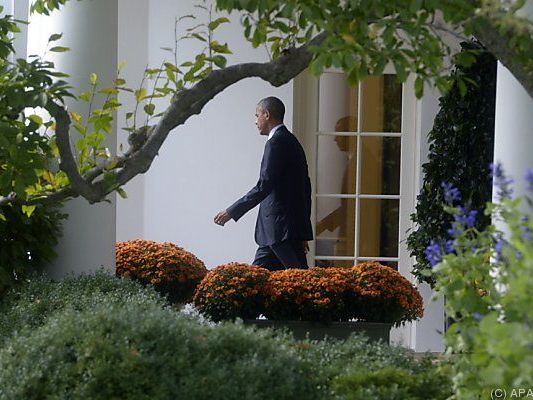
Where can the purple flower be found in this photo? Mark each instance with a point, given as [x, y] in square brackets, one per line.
[498, 247]
[455, 231]
[502, 182]
[449, 246]
[451, 193]
[467, 218]
[433, 253]
[527, 233]
[528, 176]
[477, 316]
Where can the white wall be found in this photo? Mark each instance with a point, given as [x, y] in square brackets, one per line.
[90, 30]
[133, 50]
[213, 159]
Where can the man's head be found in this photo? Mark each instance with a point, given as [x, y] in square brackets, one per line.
[268, 114]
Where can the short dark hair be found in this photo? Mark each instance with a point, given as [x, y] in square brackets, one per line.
[274, 106]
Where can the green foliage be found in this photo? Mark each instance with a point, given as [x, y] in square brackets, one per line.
[488, 285]
[362, 36]
[28, 306]
[26, 244]
[360, 369]
[424, 381]
[26, 147]
[101, 337]
[461, 148]
[121, 351]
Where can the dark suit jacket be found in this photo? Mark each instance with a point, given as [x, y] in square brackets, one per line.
[283, 192]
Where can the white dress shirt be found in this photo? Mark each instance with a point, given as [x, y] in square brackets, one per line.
[273, 130]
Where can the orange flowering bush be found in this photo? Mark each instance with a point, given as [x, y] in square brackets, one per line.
[315, 294]
[369, 292]
[232, 290]
[384, 295]
[172, 270]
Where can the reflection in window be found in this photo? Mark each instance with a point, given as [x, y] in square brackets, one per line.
[379, 228]
[380, 163]
[335, 227]
[337, 104]
[336, 169]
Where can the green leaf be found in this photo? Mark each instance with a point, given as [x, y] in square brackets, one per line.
[93, 78]
[28, 210]
[220, 48]
[149, 109]
[35, 118]
[419, 87]
[86, 96]
[217, 22]
[54, 37]
[59, 49]
[122, 193]
[140, 94]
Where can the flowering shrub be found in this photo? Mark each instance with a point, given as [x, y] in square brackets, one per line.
[315, 294]
[171, 269]
[487, 279]
[384, 295]
[370, 292]
[232, 290]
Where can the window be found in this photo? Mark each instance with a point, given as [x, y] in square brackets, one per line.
[361, 199]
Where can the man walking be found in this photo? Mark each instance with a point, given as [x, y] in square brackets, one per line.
[283, 191]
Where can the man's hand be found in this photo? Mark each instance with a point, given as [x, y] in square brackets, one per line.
[306, 247]
[222, 217]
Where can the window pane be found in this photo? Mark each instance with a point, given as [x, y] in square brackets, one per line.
[337, 107]
[379, 228]
[380, 165]
[335, 227]
[336, 169]
[335, 263]
[382, 104]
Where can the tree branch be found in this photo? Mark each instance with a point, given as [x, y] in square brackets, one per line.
[67, 163]
[488, 33]
[185, 104]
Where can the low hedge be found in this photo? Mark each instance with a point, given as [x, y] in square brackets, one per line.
[29, 305]
[172, 270]
[100, 337]
[116, 351]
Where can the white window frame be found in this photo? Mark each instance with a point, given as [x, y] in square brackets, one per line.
[309, 136]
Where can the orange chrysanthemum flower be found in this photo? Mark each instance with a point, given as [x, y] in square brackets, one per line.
[232, 290]
[171, 269]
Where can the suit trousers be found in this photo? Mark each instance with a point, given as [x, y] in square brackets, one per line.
[283, 255]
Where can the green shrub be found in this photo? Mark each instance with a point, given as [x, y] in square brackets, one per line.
[100, 337]
[342, 365]
[118, 351]
[26, 243]
[30, 304]
[419, 381]
[487, 280]
[461, 148]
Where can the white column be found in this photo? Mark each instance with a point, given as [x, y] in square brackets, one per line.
[426, 334]
[90, 29]
[513, 142]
